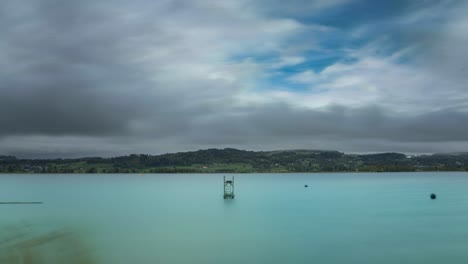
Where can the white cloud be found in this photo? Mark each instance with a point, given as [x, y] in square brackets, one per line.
[306, 77]
[377, 80]
[285, 61]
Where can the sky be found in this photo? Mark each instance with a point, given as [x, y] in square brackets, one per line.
[109, 78]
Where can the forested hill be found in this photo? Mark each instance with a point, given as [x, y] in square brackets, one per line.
[240, 161]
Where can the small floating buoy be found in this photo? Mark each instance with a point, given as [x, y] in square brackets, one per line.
[306, 185]
[433, 196]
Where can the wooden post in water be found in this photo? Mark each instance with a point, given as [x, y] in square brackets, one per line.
[228, 188]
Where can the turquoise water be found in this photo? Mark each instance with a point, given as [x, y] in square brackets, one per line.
[339, 218]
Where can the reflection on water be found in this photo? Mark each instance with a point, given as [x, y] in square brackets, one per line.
[25, 245]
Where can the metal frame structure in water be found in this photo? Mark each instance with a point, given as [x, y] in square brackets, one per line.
[228, 188]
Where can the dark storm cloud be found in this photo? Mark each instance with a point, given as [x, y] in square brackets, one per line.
[69, 68]
[278, 127]
[282, 122]
[60, 73]
[80, 68]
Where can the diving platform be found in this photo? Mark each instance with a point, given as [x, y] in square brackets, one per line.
[228, 188]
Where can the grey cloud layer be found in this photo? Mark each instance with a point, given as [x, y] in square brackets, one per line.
[114, 77]
[61, 74]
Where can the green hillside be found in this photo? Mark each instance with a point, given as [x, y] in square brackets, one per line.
[240, 161]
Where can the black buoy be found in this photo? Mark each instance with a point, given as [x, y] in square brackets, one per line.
[433, 196]
[306, 185]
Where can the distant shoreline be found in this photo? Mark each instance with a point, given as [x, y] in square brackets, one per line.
[240, 161]
[227, 173]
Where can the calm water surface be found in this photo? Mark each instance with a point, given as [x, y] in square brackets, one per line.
[339, 218]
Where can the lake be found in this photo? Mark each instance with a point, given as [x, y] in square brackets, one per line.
[182, 218]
